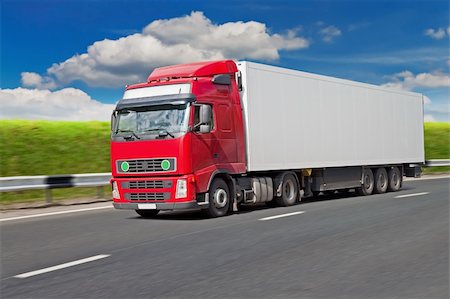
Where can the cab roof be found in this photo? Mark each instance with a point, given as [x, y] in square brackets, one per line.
[197, 69]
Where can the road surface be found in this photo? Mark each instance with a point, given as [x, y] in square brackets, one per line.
[344, 246]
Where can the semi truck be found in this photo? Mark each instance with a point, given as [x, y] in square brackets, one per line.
[220, 134]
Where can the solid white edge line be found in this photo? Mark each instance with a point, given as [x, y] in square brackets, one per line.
[424, 178]
[281, 216]
[55, 213]
[412, 194]
[62, 266]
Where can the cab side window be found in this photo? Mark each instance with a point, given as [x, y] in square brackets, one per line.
[197, 118]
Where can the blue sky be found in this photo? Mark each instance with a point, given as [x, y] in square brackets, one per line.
[47, 66]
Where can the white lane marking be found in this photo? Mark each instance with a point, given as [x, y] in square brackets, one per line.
[412, 194]
[281, 216]
[56, 213]
[62, 266]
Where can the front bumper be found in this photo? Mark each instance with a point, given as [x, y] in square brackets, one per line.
[162, 205]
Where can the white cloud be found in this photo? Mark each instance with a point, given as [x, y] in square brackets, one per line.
[428, 118]
[184, 39]
[64, 104]
[406, 80]
[436, 33]
[330, 33]
[37, 81]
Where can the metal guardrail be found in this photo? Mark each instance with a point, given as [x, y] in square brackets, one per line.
[47, 183]
[437, 162]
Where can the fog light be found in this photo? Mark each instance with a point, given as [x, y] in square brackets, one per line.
[115, 190]
[181, 191]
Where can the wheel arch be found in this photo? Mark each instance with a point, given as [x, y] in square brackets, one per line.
[229, 180]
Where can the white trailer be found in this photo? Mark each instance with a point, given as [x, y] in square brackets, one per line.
[331, 134]
[300, 120]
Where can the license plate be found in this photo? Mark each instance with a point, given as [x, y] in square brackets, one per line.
[147, 206]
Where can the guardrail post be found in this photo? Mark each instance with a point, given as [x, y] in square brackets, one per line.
[48, 195]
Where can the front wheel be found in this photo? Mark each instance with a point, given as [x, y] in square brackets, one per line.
[219, 199]
[147, 213]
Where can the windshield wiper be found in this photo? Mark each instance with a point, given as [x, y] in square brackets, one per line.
[161, 130]
[128, 131]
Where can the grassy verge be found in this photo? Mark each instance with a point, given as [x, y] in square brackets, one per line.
[50, 147]
[437, 145]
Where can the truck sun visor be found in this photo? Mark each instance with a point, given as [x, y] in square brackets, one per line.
[172, 99]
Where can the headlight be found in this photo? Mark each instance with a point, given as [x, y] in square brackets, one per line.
[181, 191]
[115, 190]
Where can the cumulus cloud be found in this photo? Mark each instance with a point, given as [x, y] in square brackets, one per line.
[437, 33]
[330, 33]
[184, 39]
[64, 104]
[37, 81]
[406, 80]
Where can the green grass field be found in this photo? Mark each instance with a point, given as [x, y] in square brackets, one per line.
[437, 144]
[54, 147]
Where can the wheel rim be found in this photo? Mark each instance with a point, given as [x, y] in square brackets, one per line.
[395, 179]
[383, 181]
[367, 182]
[289, 190]
[220, 199]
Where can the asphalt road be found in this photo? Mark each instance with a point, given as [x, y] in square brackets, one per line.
[381, 246]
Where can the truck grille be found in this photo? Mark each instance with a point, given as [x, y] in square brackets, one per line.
[146, 165]
[148, 196]
[146, 184]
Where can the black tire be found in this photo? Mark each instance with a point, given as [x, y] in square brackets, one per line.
[219, 199]
[147, 213]
[316, 193]
[368, 183]
[289, 191]
[394, 179]
[381, 180]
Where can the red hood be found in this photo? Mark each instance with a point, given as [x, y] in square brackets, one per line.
[152, 152]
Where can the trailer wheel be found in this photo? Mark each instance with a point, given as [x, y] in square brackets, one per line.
[147, 213]
[289, 191]
[394, 179]
[381, 180]
[367, 183]
[219, 199]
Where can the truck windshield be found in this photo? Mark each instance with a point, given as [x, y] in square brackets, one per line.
[152, 122]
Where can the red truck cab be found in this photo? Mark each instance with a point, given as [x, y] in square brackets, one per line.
[174, 135]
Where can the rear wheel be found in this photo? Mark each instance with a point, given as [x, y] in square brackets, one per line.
[147, 213]
[219, 199]
[289, 191]
[394, 179]
[381, 180]
[367, 182]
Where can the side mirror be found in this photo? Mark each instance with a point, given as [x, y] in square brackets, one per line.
[205, 129]
[205, 115]
[113, 120]
[222, 79]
